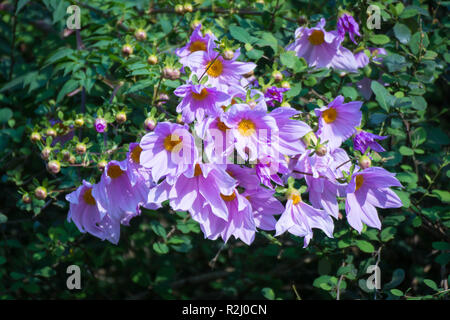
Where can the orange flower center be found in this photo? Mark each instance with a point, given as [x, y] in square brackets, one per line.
[136, 154]
[197, 46]
[229, 198]
[200, 96]
[88, 198]
[329, 115]
[317, 37]
[246, 127]
[359, 180]
[198, 170]
[114, 171]
[172, 141]
[222, 126]
[214, 68]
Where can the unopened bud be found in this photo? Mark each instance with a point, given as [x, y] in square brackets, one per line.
[54, 166]
[35, 136]
[26, 198]
[228, 54]
[102, 165]
[66, 155]
[152, 59]
[179, 9]
[51, 132]
[310, 139]
[127, 50]
[45, 153]
[365, 162]
[321, 150]
[286, 85]
[40, 193]
[188, 7]
[150, 124]
[140, 34]
[121, 117]
[72, 159]
[80, 148]
[277, 76]
[79, 122]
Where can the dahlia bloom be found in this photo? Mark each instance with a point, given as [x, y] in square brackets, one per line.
[290, 131]
[268, 167]
[300, 218]
[90, 215]
[199, 100]
[200, 185]
[167, 150]
[363, 140]
[274, 94]
[322, 49]
[246, 177]
[115, 190]
[240, 224]
[338, 120]
[264, 206]
[221, 73]
[346, 23]
[252, 129]
[197, 42]
[367, 190]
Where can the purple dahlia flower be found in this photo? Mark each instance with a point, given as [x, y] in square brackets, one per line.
[346, 23]
[363, 140]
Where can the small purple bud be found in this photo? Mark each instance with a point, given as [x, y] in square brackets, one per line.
[100, 125]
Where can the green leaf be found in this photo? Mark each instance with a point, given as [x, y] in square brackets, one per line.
[404, 196]
[21, 4]
[430, 283]
[443, 195]
[406, 151]
[3, 218]
[397, 277]
[268, 293]
[397, 293]
[158, 229]
[383, 97]
[388, 234]
[290, 60]
[160, 248]
[419, 136]
[440, 245]
[241, 35]
[365, 246]
[2, 260]
[379, 39]
[402, 33]
[5, 115]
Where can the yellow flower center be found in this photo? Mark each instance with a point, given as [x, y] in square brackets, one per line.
[228, 198]
[197, 46]
[222, 126]
[214, 68]
[198, 170]
[172, 141]
[246, 127]
[136, 154]
[359, 180]
[317, 37]
[88, 198]
[200, 96]
[114, 171]
[294, 195]
[329, 115]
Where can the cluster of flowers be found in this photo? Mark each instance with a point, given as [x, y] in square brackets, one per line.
[225, 115]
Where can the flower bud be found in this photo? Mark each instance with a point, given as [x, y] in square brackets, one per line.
[152, 59]
[277, 76]
[228, 54]
[45, 153]
[100, 125]
[40, 193]
[179, 9]
[195, 24]
[188, 7]
[121, 117]
[285, 104]
[54, 166]
[101, 165]
[150, 124]
[310, 139]
[179, 119]
[286, 85]
[26, 198]
[321, 150]
[79, 122]
[174, 74]
[72, 159]
[140, 34]
[51, 132]
[80, 148]
[127, 50]
[166, 73]
[365, 162]
[35, 136]
[66, 155]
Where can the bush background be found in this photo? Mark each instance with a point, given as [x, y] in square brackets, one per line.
[48, 76]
